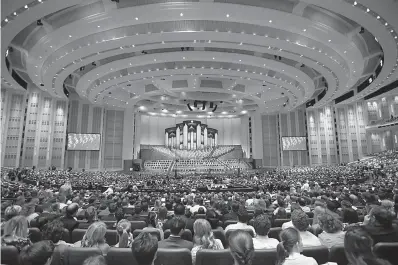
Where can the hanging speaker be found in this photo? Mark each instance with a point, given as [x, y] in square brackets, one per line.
[195, 104]
[211, 105]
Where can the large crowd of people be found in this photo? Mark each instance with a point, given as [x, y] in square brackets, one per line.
[353, 205]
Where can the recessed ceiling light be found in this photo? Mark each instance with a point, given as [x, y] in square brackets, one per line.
[227, 15]
[378, 17]
[136, 18]
[181, 14]
[26, 6]
[98, 26]
[304, 30]
[270, 21]
[70, 36]
[329, 40]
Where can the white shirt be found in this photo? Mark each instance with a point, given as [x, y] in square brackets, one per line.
[262, 242]
[108, 191]
[287, 225]
[298, 259]
[240, 226]
[309, 239]
[195, 208]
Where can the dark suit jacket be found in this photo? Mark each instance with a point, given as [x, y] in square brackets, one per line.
[230, 216]
[175, 242]
[188, 223]
[136, 217]
[110, 217]
[69, 223]
[380, 234]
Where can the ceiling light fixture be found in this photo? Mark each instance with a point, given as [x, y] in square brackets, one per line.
[227, 15]
[181, 14]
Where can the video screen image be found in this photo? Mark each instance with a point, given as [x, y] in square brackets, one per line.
[294, 144]
[84, 141]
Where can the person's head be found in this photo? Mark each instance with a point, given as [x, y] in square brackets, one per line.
[177, 226]
[144, 206]
[123, 229]
[137, 209]
[290, 242]
[144, 248]
[235, 207]
[119, 214]
[12, 211]
[112, 207]
[358, 247]
[262, 225]
[152, 219]
[90, 213]
[329, 223]
[179, 209]
[203, 234]
[241, 247]
[94, 235]
[16, 227]
[212, 217]
[95, 260]
[72, 209]
[243, 215]
[53, 231]
[380, 216]
[162, 213]
[39, 253]
[300, 220]
[388, 205]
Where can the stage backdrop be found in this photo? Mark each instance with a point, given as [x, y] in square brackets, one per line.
[230, 131]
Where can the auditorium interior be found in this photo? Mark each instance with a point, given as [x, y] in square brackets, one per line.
[210, 102]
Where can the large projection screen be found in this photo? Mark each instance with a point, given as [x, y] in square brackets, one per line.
[84, 141]
[294, 144]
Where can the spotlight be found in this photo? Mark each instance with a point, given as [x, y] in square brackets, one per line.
[94, 64]
[211, 105]
[82, 68]
[283, 93]
[204, 105]
[41, 84]
[182, 48]
[39, 23]
[144, 52]
[189, 107]
[362, 30]
[214, 108]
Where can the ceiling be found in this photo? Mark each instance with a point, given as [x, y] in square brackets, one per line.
[232, 57]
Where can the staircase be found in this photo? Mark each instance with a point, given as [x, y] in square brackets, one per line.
[211, 153]
[227, 167]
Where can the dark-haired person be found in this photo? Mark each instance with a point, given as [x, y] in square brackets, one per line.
[53, 231]
[69, 219]
[358, 247]
[348, 214]
[39, 253]
[177, 227]
[241, 247]
[137, 214]
[300, 222]
[332, 231]
[95, 260]
[144, 248]
[91, 216]
[262, 225]
[179, 211]
[289, 249]
[111, 216]
[213, 219]
[152, 221]
[243, 218]
[379, 224]
[233, 214]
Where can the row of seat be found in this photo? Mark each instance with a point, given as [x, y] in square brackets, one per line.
[124, 256]
[112, 237]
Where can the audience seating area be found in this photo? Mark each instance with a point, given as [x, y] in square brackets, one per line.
[157, 165]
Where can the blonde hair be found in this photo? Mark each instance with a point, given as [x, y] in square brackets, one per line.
[123, 230]
[94, 235]
[203, 234]
[17, 227]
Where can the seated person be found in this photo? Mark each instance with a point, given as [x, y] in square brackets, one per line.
[177, 227]
[123, 229]
[111, 216]
[137, 214]
[39, 253]
[243, 218]
[379, 224]
[94, 237]
[16, 233]
[233, 214]
[144, 248]
[262, 225]
[300, 222]
[332, 231]
[91, 216]
[212, 218]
